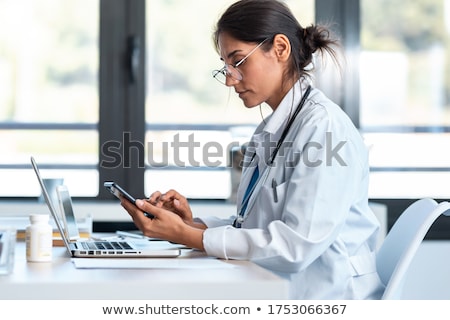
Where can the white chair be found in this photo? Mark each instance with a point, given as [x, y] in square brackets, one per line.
[402, 241]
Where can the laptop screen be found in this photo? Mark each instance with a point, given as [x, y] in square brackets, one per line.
[50, 205]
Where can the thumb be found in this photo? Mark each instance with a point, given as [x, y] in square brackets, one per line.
[140, 203]
[145, 206]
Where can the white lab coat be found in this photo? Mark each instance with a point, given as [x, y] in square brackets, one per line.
[320, 234]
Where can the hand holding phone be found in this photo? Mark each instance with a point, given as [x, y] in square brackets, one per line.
[119, 192]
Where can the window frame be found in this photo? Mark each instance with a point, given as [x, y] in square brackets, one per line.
[122, 101]
[345, 15]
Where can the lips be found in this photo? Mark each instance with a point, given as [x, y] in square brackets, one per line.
[241, 93]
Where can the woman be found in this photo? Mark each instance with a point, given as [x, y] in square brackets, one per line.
[303, 206]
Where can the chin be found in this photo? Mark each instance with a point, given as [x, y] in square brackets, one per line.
[250, 104]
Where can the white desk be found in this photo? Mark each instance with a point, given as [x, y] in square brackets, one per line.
[61, 280]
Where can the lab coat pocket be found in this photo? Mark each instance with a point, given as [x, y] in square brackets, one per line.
[272, 199]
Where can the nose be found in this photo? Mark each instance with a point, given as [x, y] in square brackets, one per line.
[230, 81]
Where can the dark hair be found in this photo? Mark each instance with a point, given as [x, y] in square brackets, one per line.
[256, 20]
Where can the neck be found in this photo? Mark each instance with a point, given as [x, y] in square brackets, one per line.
[284, 89]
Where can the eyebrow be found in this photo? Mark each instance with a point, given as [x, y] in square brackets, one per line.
[231, 54]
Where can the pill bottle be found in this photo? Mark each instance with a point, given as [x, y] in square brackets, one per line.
[39, 239]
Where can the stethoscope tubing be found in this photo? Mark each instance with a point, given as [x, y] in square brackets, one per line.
[265, 174]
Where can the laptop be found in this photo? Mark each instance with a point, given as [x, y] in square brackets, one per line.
[99, 248]
[70, 224]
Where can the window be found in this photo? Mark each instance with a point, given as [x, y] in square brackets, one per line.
[49, 97]
[60, 105]
[405, 96]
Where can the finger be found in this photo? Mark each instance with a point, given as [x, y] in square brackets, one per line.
[171, 195]
[136, 214]
[147, 206]
[127, 204]
[155, 197]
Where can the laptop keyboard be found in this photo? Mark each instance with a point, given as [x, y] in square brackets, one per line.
[105, 245]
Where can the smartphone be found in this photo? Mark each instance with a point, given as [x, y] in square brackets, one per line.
[118, 191]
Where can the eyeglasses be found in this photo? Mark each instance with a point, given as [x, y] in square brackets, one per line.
[230, 70]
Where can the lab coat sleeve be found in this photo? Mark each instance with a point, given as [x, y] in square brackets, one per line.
[213, 222]
[317, 202]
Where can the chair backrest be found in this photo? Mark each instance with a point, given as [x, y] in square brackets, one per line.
[402, 241]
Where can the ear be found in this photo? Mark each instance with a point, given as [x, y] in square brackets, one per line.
[281, 47]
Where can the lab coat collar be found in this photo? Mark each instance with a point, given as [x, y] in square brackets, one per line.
[286, 107]
[272, 130]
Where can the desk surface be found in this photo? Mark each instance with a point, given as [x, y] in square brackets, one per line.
[60, 279]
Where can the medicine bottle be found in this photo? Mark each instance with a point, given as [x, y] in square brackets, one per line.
[39, 239]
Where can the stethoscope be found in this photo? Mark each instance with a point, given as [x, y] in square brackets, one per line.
[244, 208]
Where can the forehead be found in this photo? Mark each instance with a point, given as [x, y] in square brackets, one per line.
[230, 46]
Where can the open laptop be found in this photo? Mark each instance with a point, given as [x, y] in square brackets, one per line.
[101, 249]
[70, 224]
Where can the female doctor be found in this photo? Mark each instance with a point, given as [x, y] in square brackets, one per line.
[303, 208]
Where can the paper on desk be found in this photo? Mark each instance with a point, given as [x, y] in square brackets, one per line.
[143, 263]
